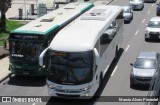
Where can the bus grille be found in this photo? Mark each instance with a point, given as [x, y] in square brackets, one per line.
[68, 91]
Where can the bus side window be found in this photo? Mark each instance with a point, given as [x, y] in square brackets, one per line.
[94, 65]
[108, 36]
[49, 39]
[120, 22]
[109, 33]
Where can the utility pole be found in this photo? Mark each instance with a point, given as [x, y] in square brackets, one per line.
[25, 9]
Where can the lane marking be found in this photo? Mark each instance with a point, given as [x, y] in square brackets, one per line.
[106, 68]
[127, 48]
[114, 70]
[143, 20]
[152, 5]
[34, 104]
[148, 11]
[136, 32]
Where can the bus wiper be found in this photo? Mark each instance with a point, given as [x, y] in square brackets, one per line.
[74, 76]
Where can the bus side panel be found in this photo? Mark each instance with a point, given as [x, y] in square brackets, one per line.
[108, 57]
[109, 52]
[119, 36]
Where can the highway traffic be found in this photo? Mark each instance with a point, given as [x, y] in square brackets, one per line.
[133, 44]
[116, 81]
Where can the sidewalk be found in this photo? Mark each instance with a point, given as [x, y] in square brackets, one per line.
[13, 12]
[4, 62]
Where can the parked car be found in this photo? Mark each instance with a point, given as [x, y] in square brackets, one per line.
[127, 13]
[137, 4]
[152, 30]
[158, 9]
[144, 68]
[151, 1]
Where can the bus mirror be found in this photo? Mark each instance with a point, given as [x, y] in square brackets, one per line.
[41, 57]
[97, 56]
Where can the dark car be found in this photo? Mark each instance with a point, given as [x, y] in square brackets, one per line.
[158, 9]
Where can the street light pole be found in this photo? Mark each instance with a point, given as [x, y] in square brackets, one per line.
[25, 9]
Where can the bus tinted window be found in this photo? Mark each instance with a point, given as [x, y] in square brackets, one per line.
[73, 68]
[26, 50]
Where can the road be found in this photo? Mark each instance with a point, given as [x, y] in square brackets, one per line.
[116, 81]
[119, 81]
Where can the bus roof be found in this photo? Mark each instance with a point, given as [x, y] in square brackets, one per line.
[54, 19]
[82, 34]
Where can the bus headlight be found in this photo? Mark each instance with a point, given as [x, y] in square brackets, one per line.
[51, 86]
[86, 88]
[43, 66]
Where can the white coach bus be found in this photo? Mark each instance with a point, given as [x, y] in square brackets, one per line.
[81, 51]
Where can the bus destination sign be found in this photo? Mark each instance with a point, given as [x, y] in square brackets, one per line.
[26, 37]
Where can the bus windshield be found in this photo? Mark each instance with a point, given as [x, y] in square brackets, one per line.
[70, 68]
[28, 51]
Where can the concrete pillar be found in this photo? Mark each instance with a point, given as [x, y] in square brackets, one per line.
[20, 13]
[32, 9]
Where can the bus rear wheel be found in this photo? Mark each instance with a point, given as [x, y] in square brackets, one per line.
[116, 52]
[100, 79]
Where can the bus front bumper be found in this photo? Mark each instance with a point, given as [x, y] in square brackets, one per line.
[27, 70]
[69, 92]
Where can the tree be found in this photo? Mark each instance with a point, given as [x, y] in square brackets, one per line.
[4, 6]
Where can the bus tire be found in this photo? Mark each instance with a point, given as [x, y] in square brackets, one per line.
[116, 52]
[100, 79]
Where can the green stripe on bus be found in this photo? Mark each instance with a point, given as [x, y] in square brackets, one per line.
[35, 32]
[88, 7]
[53, 28]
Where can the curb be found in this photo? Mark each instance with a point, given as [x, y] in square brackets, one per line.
[5, 77]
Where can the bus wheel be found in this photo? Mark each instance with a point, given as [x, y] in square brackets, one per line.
[100, 79]
[116, 52]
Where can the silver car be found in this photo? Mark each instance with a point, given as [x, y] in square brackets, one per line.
[144, 68]
[152, 30]
[137, 4]
[127, 13]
